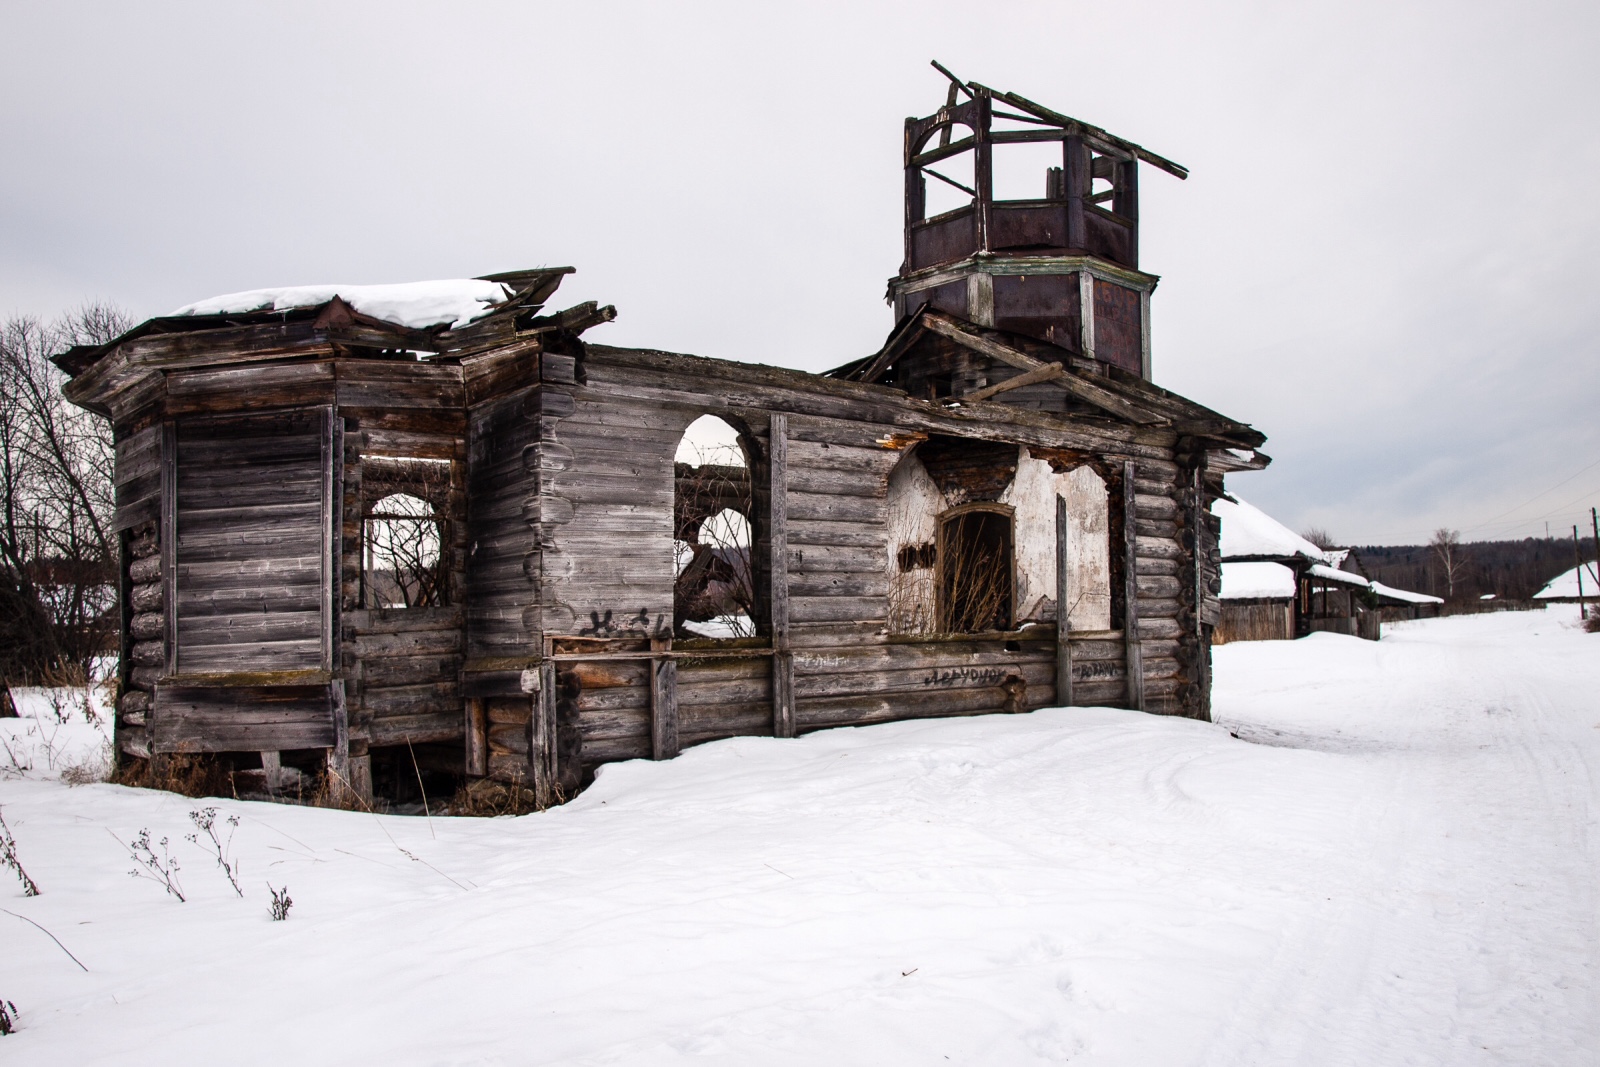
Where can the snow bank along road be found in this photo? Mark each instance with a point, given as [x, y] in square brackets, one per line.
[1393, 863]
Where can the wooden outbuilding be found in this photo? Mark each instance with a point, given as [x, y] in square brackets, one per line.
[366, 525]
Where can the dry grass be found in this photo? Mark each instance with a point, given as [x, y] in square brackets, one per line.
[486, 798]
[187, 774]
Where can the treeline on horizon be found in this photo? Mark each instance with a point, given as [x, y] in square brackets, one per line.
[1511, 570]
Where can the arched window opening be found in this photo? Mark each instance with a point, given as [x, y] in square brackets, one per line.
[948, 183]
[975, 569]
[714, 589]
[403, 543]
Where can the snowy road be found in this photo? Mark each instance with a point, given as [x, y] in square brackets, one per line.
[1464, 927]
[1393, 863]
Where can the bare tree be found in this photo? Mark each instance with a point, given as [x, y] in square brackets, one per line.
[1319, 537]
[58, 551]
[1446, 546]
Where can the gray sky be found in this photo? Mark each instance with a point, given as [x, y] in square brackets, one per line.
[1383, 258]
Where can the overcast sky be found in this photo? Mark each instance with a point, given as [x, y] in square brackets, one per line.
[1385, 257]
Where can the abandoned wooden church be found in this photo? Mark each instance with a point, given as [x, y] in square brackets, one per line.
[362, 525]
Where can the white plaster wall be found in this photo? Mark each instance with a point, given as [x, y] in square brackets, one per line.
[1032, 495]
[913, 509]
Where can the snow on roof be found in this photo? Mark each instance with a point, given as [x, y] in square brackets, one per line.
[1334, 574]
[1565, 586]
[1249, 581]
[1249, 531]
[1405, 594]
[414, 305]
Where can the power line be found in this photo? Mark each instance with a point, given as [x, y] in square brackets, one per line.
[1536, 496]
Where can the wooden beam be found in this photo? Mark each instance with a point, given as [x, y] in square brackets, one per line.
[1090, 394]
[663, 701]
[339, 754]
[1110, 140]
[542, 732]
[332, 534]
[169, 543]
[783, 718]
[1063, 605]
[944, 151]
[477, 729]
[1043, 373]
[893, 349]
[951, 181]
[1134, 655]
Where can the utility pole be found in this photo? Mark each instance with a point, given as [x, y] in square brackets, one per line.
[1594, 520]
[1577, 557]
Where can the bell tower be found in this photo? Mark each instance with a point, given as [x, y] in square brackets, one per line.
[1061, 267]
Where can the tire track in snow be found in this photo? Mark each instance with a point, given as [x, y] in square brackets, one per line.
[1474, 934]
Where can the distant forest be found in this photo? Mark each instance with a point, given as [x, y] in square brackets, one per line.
[1513, 570]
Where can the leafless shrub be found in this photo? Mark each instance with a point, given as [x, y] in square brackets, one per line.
[280, 903]
[161, 869]
[91, 770]
[8, 858]
[58, 552]
[1319, 537]
[1592, 623]
[974, 575]
[205, 822]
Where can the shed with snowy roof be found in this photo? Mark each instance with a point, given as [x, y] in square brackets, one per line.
[389, 532]
[1569, 586]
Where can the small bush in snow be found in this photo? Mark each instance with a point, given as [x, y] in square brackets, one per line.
[8, 858]
[1592, 623]
[162, 869]
[8, 1018]
[280, 903]
[205, 821]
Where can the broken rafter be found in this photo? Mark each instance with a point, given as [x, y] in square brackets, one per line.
[892, 349]
[951, 181]
[1043, 373]
[1095, 133]
[1090, 394]
[955, 81]
[574, 320]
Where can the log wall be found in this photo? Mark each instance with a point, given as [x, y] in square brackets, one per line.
[554, 649]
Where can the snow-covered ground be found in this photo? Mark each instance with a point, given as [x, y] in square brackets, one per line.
[1393, 863]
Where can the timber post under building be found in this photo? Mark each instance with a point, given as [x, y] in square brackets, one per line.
[362, 525]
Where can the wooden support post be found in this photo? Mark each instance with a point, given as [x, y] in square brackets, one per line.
[1063, 606]
[1134, 656]
[1144, 337]
[983, 169]
[1086, 310]
[168, 547]
[332, 535]
[542, 731]
[477, 726]
[1202, 647]
[783, 717]
[663, 701]
[339, 754]
[1077, 184]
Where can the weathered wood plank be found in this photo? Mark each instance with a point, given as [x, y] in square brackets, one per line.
[1130, 595]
